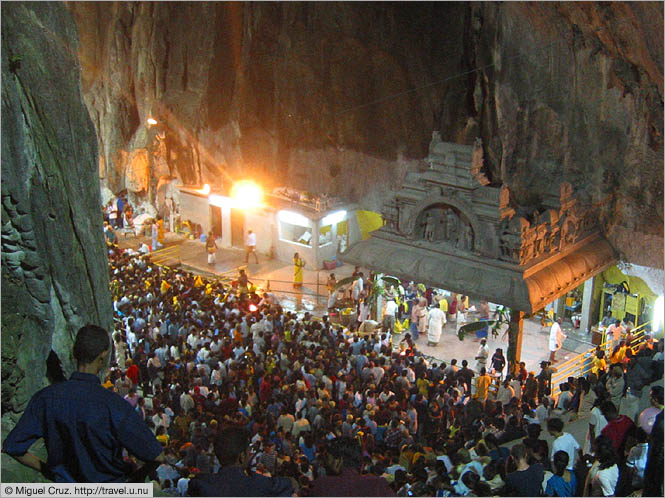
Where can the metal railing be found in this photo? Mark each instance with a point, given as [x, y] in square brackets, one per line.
[168, 254]
[581, 364]
[267, 284]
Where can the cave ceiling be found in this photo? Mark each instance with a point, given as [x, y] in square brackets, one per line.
[342, 98]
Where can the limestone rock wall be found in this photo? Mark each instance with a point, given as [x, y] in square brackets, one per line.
[574, 91]
[54, 268]
[344, 96]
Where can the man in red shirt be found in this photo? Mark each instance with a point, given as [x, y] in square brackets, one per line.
[132, 372]
[617, 426]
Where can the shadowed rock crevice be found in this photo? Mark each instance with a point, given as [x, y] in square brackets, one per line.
[54, 270]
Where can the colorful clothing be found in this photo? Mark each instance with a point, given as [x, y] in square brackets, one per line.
[298, 264]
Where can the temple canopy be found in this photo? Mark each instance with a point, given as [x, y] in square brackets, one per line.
[448, 228]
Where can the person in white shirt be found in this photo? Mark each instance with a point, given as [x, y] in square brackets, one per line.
[597, 423]
[564, 398]
[389, 315]
[436, 319]
[614, 333]
[161, 418]
[563, 441]
[257, 328]
[301, 425]
[130, 334]
[183, 484]
[251, 247]
[193, 339]
[556, 338]
[505, 392]
[186, 402]
[517, 387]
[238, 351]
[357, 287]
[543, 410]
[215, 345]
[203, 355]
[482, 355]
[603, 476]
[386, 394]
[218, 375]
[637, 459]
[174, 352]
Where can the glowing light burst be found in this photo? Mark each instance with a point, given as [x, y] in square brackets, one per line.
[152, 121]
[205, 190]
[253, 308]
[247, 195]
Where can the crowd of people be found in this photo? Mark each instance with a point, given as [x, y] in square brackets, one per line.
[203, 362]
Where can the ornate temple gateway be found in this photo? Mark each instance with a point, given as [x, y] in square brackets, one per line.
[447, 227]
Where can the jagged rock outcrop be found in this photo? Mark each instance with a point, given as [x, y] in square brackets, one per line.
[315, 94]
[54, 267]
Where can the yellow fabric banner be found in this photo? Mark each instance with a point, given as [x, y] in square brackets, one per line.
[368, 221]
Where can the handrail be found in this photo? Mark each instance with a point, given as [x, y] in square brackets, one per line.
[161, 255]
[578, 361]
[166, 250]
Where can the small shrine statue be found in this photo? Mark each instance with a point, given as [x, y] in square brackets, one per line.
[429, 227]
[451, 226]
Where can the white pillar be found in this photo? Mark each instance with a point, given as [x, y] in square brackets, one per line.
[587, 298]
[315, 243]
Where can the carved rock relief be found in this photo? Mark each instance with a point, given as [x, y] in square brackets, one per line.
[549, 231]
[444, 224]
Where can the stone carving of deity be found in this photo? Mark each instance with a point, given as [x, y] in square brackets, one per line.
[511, 239]
[539, 244]
[568, 231]
[465, 239]
[552, 238]
[429, 226]
[550, 242]
[527, 251]
[451, 226]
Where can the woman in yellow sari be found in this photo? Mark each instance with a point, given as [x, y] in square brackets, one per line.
[160, 231]
[298, 264]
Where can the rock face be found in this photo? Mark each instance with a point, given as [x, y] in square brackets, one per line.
[54, 268]
[343, 98]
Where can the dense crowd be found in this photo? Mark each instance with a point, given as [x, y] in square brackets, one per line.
[209, 356]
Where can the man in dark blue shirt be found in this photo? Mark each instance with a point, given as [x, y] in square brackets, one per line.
[232, 450]
[527, 479]
[85, 427]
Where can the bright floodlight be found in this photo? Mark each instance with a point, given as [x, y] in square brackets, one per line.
[206, 189]
[658, 314]
[293, 218]
[247, 195]
[253, 308]
[220, 201]
[333, 218]
[152, 121]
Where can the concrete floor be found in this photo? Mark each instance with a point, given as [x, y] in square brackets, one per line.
[278, 276]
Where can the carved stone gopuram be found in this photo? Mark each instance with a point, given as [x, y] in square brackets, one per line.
[449, 227]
